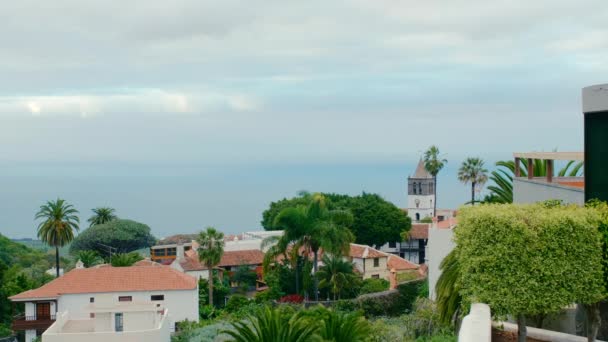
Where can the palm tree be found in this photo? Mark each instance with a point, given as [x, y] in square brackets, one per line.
[472, 171]
[335, 273]
[210, 251]
[344, 327]
[270, 326]
[102, 215]
[88, 258]
[314, 227]
[60, 220]
[433, 163]
[125, 259]
[447, 290]
[502, 177]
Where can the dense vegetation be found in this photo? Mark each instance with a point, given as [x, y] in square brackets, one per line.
[375, 220]
[122, 235]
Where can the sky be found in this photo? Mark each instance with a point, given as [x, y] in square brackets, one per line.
[184, 114]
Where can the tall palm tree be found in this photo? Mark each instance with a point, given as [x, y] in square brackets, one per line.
[60, 220]
[210, 251]
[433, 163]
[472, 171]
[335, 273]
[270, 326]
[102, 215]
[314, 227]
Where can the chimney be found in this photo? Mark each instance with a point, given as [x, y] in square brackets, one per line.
[393, 279]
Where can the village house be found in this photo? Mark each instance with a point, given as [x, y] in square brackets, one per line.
[104, 300]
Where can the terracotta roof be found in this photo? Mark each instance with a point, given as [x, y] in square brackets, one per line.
[447, 224]
[245, 257]
[419, 231]
[192, 264]
[113, 279]
[177, 239]
[146, 262]
[400, 264]
[364, 252]
[421, 171]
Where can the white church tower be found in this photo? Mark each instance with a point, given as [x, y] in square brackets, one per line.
[420, 194]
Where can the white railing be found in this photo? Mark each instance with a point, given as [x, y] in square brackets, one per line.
[477, 325]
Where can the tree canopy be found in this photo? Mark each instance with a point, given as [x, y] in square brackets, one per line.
[529, 259]
[122, 235]
[375, 220]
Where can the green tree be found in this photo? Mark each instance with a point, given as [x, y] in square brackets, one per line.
[88, 258]
[303, 198]
[472, 171]
[314, 227]
[119, 235]
[244, 277]
[372, 285]
[433, 163]
[542, 259]
[125, 259]
[447, 289]
[270, 326]
[344, 327]
[102, 215]
[335, 274]
[59, 221]
[210, 251]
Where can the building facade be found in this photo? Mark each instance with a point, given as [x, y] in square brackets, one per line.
[420, 194]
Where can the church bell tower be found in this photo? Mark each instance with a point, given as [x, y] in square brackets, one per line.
[420, 194]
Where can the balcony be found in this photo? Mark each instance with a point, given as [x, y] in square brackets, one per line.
[22, 322]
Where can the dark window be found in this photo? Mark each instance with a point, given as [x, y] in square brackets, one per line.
[420, 188]
[417, 216]
[376, 262]
[118, 325]
[92, 300]
[92, 315]
[392, 244]
[171, 251]
[160, 252]
[414, 188]
[376, 276]
[187, 248]
[157, 297]
[125, 299]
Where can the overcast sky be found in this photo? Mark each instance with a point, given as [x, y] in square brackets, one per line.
[285, 82]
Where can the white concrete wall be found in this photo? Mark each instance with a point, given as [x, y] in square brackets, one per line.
[530, 191]
[477, 325]
[30, 309]
[204, 274]
[425, 208]
[439, 245]
[181, 304]
[30, 335]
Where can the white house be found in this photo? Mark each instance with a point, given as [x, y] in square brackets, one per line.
[78, 289]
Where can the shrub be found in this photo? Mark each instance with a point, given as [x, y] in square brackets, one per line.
[372, 285]
[293, 298]
[393, 302]
[235, 302]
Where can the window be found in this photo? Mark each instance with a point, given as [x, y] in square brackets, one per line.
[92, 300]
[160, 252]
[376, 276]
[118, 324]
[414, 188]
[125, 298]
[187, 248]
[157, 297]
[392, 244]
[376, 262]
[92, 315]
[171, 251]
[417, 216]
[420, 188]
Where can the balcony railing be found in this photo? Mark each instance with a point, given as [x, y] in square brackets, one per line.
[22, 322]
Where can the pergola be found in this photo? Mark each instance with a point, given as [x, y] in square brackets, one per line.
[550, 157]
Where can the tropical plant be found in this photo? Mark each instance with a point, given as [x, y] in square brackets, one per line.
[88, 258]
[502, 177]
[335, 274]
[119, 235]
[311, 228]
[210, 251]
[447, 289]
[433, 163]
[60, 220]
[344, 327]
[102, 215]
[472, 171]
[270, 326]
[125, 259]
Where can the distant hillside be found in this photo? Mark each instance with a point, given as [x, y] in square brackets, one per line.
[15, 253]
[41, 246]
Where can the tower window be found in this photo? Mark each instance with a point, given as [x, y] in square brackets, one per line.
[414, 187]
[420, 188]
[417, 216]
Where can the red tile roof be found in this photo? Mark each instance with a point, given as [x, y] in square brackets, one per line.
[400, 264]
[245, 257]
[113, 279]
[419, 231]
[191, 263]
[364, 252]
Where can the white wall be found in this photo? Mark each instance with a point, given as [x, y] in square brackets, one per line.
[439, 245]
[477, 325]
[529, 191]
[182, 304]
[204, 274]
